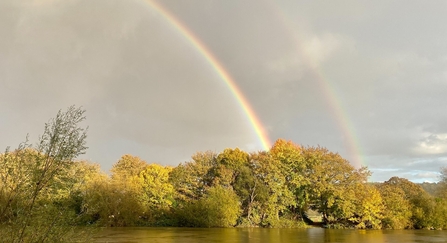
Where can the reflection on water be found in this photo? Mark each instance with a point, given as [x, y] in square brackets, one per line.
[259, 235]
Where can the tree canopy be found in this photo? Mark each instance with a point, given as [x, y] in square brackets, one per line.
[44, 187]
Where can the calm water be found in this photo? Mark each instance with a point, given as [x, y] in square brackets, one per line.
[243, 235]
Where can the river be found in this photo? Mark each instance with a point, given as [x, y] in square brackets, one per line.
[260, 235]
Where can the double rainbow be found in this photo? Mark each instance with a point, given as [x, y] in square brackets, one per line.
[328, 90]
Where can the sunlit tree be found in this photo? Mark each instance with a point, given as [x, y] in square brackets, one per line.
[368, 207]
[397, 211]
[128, 166]
[192, 179]
[33, 177]
[220, 207]
[332, 185]
[277, 197]
[293, 166]
[421, 203]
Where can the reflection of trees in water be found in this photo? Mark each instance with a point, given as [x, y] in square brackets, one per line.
[262, 235]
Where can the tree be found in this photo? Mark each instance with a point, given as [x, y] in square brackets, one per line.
[157, 193]
[369, 207]
[332, 184]
[15, 175]
[112, 203]
[117, 201]
[192, 179]
[38, 174]
[276, 197]
[220, 207]
[443, 183]
[89, 180]
[397, 211]
[228, 165]
[421, 203]
[444, 174]
[234, 170]
[293, 166]
[128, 166]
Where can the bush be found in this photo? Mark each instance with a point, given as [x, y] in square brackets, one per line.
[219, 208]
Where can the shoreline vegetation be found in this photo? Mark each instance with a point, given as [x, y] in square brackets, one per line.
[45, 192]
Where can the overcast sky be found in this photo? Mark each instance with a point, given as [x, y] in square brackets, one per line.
[365, 79]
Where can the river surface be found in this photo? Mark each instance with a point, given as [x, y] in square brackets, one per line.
[260, 235]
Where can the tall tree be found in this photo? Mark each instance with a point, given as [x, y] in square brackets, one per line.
[192, 179]
[368, 207]
[38, 172]
[332, 183]
[443, 183]
[293, 166]
[397, 211]
[278, 198]
[234, 169]
[157, 193]
[228, 165]
[421, 203]
[128, 166]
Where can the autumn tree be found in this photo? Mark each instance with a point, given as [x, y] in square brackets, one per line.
[89, 193]
[157, 193]
[332, 185]
[192, 179]
[397, 212]
[234, 170]
[36, 175]
[368, 207]
[220, 207]
[276, 198]
[228, 165]
[15, 171]
[420, 201]
[108, 203]
[118, 198]
[293, 166]
[127, 166]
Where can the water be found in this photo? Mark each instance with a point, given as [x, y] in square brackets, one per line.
[259, 235]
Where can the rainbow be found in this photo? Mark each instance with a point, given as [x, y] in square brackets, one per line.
[329, 92]
[219, 69]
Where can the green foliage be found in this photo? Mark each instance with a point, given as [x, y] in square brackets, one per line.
[128, 166]
[219, 208]
[397, 212]
[112, 203]
[408, 205]
[293, 165]
[192, 179]
[157, 191]
[333, 187]
[233, 158]
[36, 184]
[434, 189]
[368, 209]
[44, 192]
[115, 201]
[276, 196]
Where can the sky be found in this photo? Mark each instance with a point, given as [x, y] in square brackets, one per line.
[365, 79]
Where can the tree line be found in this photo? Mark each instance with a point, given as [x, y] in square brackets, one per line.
[44, 189]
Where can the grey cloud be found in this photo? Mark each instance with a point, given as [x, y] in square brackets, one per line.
[149, 92]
